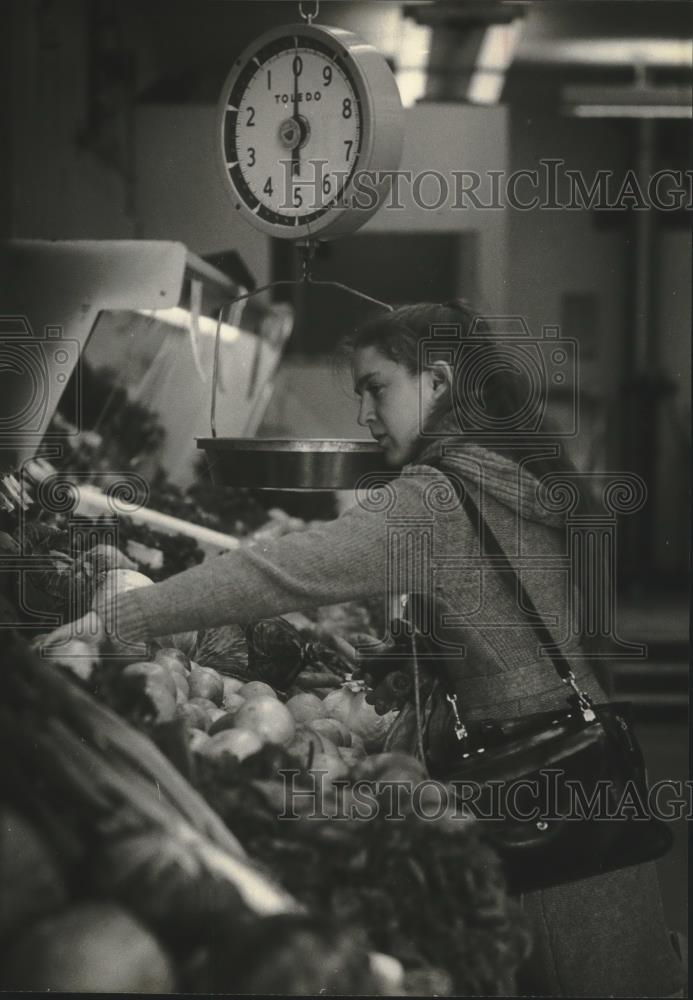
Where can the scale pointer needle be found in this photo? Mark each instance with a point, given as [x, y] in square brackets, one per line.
[295, 152]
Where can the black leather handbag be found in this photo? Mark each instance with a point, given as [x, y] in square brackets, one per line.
[562, 795]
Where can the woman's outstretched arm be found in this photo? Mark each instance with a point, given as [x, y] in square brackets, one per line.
[341, 560]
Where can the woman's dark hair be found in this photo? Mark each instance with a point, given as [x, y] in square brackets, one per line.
[492, 388]
[400, 333]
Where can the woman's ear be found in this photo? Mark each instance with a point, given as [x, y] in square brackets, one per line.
[441, 377]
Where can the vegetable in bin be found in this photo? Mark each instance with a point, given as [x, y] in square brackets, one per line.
[275, 651]
[114, 808]
[238, 776]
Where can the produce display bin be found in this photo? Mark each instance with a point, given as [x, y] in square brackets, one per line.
[58, 296]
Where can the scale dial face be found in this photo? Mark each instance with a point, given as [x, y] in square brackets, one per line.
[297, 122]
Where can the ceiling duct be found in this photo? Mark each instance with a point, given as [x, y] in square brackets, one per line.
[471, 46]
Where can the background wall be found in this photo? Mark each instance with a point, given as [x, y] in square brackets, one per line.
[58, 187]
[178, 186]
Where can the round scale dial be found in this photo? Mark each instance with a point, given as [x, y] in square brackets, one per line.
[304, 112]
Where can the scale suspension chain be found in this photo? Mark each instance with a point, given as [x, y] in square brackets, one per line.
[309, 17]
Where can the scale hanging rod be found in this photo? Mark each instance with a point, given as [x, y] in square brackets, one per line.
[234, 318]
[307, 254]
[293, 282]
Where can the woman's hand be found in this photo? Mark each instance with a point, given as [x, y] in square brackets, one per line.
[388, 677]
[92, 629]
[392, 693]
[89, 629]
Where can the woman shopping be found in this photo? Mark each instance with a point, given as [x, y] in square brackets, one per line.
[600, 936]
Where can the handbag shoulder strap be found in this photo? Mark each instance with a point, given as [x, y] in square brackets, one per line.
[494, 548]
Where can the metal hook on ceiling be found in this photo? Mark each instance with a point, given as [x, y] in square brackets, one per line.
[309, 17]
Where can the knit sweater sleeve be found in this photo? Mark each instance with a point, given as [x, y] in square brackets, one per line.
[347, 559]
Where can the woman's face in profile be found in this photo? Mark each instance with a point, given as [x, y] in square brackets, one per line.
[393, 402]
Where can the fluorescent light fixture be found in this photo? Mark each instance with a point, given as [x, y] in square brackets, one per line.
[673, 52]
[182, 319]
[639, 100]
[412, 60]
[485, 86]
[630, 111]
[494, 57]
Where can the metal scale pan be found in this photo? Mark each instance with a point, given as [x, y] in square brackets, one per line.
[306, 464]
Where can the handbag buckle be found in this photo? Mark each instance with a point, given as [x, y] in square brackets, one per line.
[460, 729]
[583, 699]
